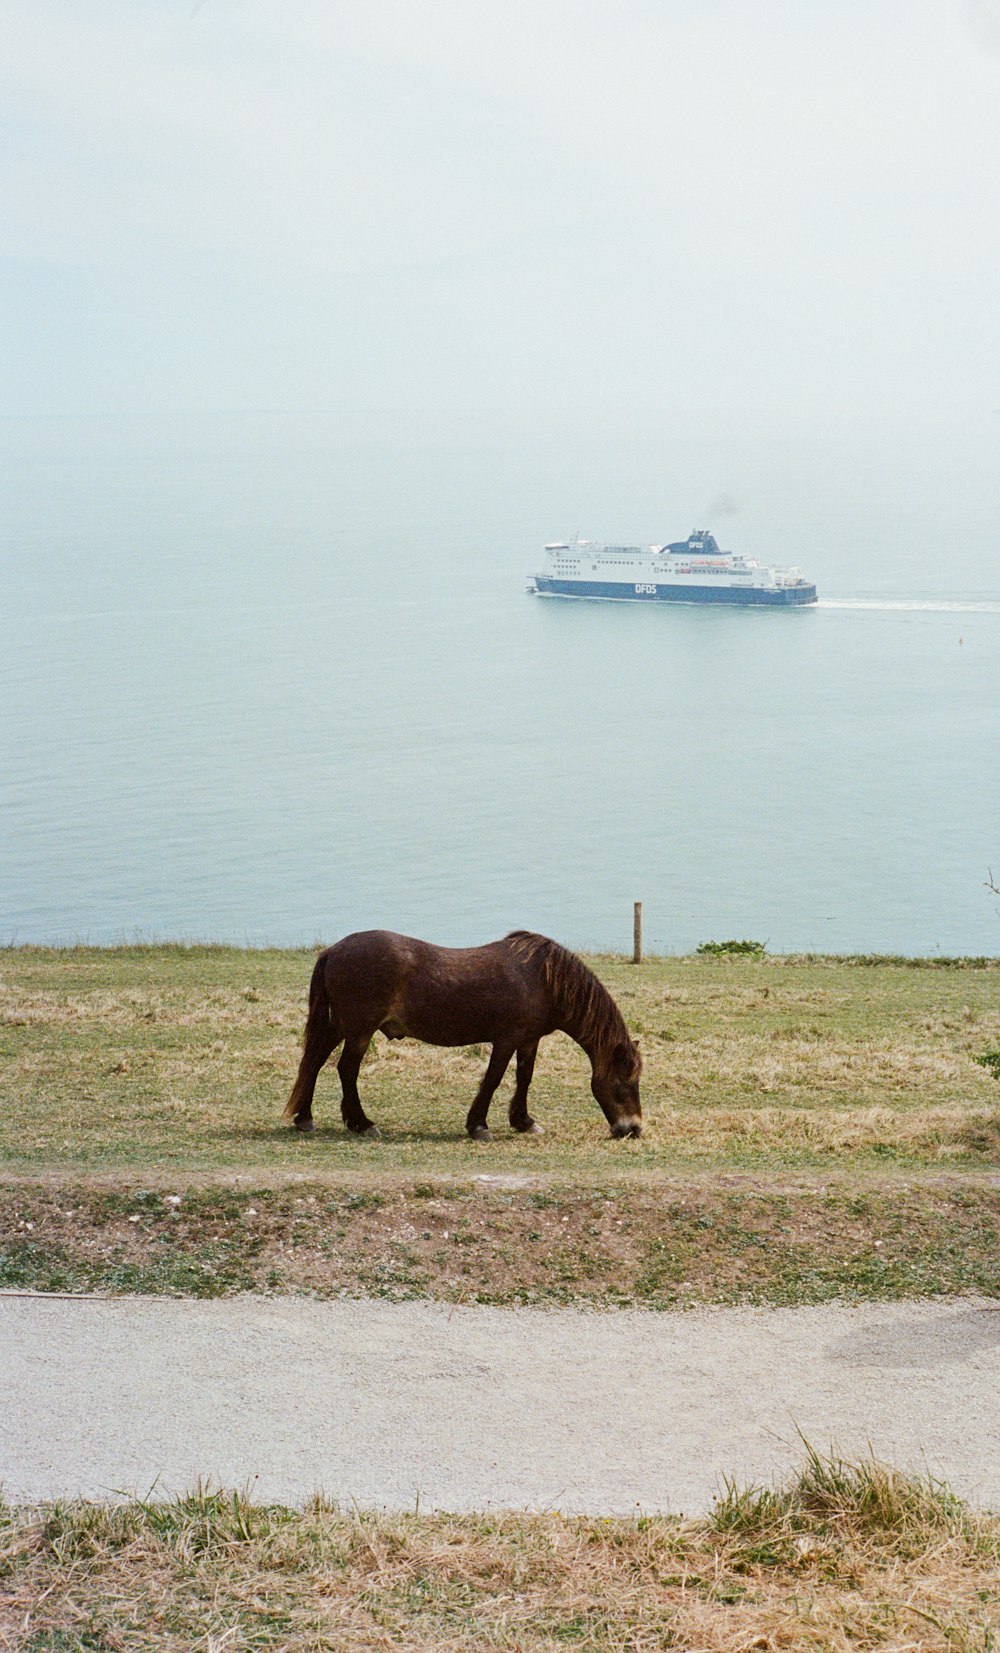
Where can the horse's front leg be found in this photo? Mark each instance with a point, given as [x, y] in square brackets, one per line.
[498, 1064]
[349, 1067]
[519, 1116]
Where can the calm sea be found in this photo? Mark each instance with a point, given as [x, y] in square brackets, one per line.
[268, 679]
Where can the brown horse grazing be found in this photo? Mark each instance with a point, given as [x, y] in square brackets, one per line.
[508, 994]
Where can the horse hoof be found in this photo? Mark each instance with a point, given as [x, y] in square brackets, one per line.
[372, 1133]
[481, 1134]
[304, 1125]
[534, 1129]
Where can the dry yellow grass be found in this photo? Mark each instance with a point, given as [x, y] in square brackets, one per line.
[848, 1557]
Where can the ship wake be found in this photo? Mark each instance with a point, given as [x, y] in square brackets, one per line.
[888, 605]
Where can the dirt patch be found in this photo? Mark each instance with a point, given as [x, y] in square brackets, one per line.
[501, 1240]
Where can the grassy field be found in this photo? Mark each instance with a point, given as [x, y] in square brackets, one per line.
[846, 1557]
[814, 1127]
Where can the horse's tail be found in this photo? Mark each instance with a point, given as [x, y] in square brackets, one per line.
[317, 1042]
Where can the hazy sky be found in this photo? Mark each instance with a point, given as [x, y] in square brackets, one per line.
[775, 207]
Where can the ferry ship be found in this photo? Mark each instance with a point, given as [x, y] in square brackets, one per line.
[694, 570]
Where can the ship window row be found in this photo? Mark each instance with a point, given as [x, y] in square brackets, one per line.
[606, 562]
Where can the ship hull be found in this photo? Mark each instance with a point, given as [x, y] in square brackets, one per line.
[794, 596]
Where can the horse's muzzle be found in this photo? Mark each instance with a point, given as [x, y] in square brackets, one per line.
[627, 1127]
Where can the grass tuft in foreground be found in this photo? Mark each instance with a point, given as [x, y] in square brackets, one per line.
[866, 1502]
[846, 1556]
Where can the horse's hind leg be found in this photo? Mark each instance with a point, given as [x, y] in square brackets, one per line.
[349, 1067]
[519, 1116]
[322, 1039]
[498, 1064]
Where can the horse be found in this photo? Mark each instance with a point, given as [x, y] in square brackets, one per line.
[508, 994]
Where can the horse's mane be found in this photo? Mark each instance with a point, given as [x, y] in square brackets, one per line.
[591, 1013]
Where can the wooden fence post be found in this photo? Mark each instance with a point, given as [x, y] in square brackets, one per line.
[637, 933]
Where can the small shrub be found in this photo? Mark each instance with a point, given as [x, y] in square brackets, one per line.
[738, 949]
[363, 1200]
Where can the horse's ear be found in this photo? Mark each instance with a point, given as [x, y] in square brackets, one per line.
[626, 1059]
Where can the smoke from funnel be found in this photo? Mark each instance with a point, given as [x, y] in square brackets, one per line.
[723, 505]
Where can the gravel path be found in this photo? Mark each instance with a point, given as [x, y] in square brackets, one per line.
[467, 1408]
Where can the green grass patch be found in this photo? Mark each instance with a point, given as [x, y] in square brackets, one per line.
[182, 1059]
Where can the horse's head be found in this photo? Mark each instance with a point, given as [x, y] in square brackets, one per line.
[615, 1084]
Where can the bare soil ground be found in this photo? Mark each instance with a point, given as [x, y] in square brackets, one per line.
[658, 1242]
